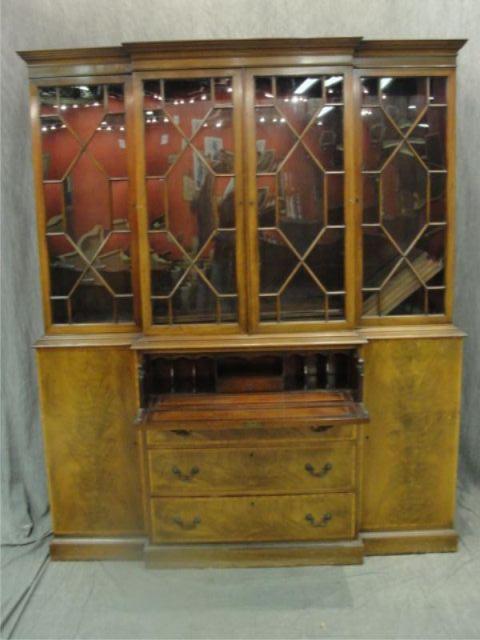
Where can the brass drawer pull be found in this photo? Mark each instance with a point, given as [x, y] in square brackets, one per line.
[322, 428]
[318, 474]
[322, 523]
[184, 477]
[187, 526]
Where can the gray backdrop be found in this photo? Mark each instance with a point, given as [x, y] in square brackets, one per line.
[50, 24]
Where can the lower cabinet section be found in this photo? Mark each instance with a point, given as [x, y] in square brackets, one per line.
[254, 518]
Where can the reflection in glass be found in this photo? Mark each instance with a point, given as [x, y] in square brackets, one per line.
[189, 141]
[325, 138]
[429, 138]
[301, 199]
[404, 195]
[380, 138]
[438, 197]
[86, 199]
[299, 141]
[403, 99]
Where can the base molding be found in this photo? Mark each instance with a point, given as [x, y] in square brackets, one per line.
[289, 554]
[378, 543]
[267, 554]
[97, 548]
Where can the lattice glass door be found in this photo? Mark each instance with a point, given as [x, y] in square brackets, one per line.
[299, 182]
[85, 189]
[404, 172]
[191, 166]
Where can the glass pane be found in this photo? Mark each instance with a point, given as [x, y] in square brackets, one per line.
[54, 209]
[302, 298]
[369, 88]
[371, 198]
[87, 201]
[301, 193]
[429, 138]
[86, 196]
[108, 146]
[188, 102]
[48, 101]
[194, 301]
[66, 265]
[264, 91]
[59, 311]
[59, 148]
[325, 138]
[190, 190]
[334, 88]
[276, 261]
[299, 140]
[163, 142]
[326, 259]
[223, 90]
[274, 140]
[113, 263]
[214, 140]
[438, 90]
[156, 203]
[436, 301]
[438, 197]
[91, 301]
[380, 138]
[82, 108]
[335, 213]
[403, 99]
[298, 99]
[405, 199]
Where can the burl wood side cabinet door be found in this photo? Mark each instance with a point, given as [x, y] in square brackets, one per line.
[297, 167]
[190, 197]
[80, 131]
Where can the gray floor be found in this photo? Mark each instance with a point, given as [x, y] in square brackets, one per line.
[424, 596]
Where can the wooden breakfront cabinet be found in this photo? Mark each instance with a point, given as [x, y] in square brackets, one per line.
[246, 256]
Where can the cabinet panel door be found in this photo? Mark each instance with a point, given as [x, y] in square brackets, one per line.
[406, 201]
[83, 161]
[192, 156]
[298, 234]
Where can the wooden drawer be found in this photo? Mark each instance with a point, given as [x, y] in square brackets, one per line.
[255, 518]
[252, 470]
[241, 436]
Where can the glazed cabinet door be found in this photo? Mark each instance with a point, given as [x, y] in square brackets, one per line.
[407, 135]
[190, 190]
[87, 244]
[298, 192]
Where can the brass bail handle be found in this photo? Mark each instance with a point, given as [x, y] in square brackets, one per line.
[318, 523]
[309, 468]
[185, 477]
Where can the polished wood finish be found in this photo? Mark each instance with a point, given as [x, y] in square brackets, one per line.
[228, 479]
[384, 543]
[278, 409]
[97, 549]
[412, 390]
[269, 518]
[251, 470]
[278, 554]
[232, 438]
[88, 404]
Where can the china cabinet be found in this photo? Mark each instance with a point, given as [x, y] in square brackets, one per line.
[246, 258]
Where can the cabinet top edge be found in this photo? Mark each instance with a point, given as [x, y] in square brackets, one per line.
[254, 47]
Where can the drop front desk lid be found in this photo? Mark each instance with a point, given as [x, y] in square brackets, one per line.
[259, 409]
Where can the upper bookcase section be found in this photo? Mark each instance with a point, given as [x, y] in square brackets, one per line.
[143, 56]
